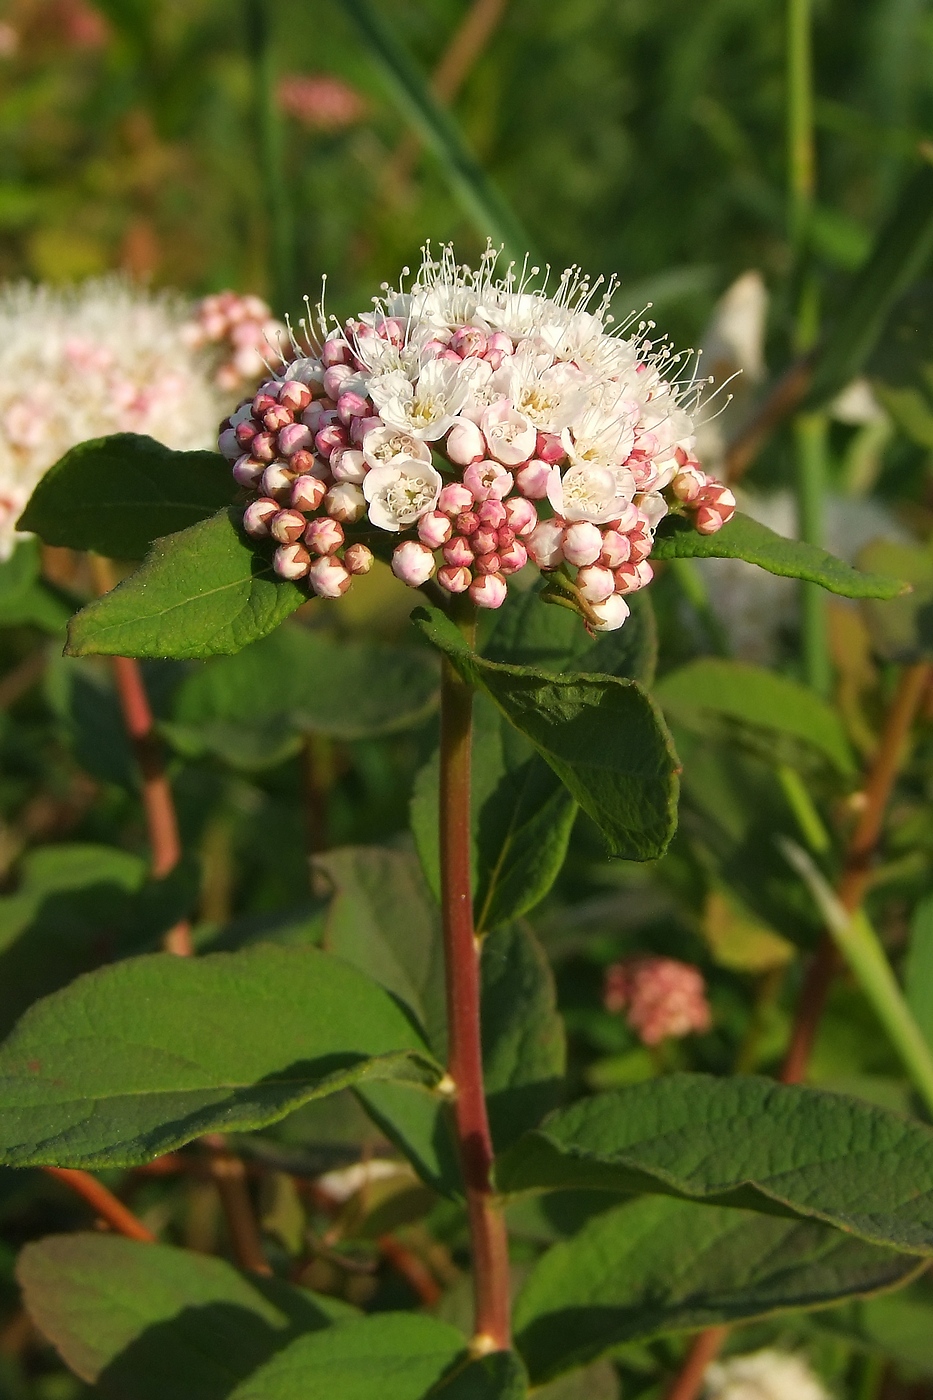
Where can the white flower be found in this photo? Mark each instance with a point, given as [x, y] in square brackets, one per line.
[510, 435]
[763, 1375]
[588, 493]
[549, 395]
[383, 445]
[603, 435]
[427, 408]
[398, 494]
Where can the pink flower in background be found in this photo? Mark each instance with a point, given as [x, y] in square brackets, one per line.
[247, 336]
[663, 997]
[321, 101]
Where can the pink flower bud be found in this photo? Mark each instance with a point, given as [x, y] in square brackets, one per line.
[486, 563]
[520, 515]
[434, 529]
[295, 395]
[596, 583]
[513, 558]
[277, 480]
[501, 342]
[413, 563]
[247, 471]
[641, 543]
[716, 504]
[257, 516]
[263, 447]
[295, 437]
[610, 613]
[550, 449]
[347, 464]
[353, 405]
[665, 998]
[277, 417]
[431, 349]
[331, 439]
[306, 464]
[545, 542]
[467, 523]
[335, 351]
[264, 400]
[465, 443]
[454, 499]
[494, 358]
[334, 378]
[448, 354]
[455, 580]
[345, 502]
[392, 330]
[324, 535]
[287, 526]
[583, 542]
[630, 577]
[359, 427]
[489, 591]
[246, 431]
[492, 513]
[617, 549]
[487, 479]
[458, 554]
[328, 577]
[688, 484]
[483, 540]
[358, 558]
[312, 415]
[707, 521]
[532, 480]
[229, 445]
[469, 340]
[307, 493]
[505, 538]
[291, 561]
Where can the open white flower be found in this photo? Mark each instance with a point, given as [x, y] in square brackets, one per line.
[603, 435]
[763, 1375]
[588, 493]
[384, 445]
[549, 395]
[426, 408]
[510, 435]
[401, 493]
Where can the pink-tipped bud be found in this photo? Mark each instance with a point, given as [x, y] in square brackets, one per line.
[335, 378]
[450, 355]
[489, 591]
[335, 351]
[520, 515]
[545, 544]
[454, 579]
[505, 538]
[465, 443]
[263, 447]
[277, 417]
[431, 349]
[392, 330]
[287, 526]
[550, 449]
[348, 465]
[413, 563]
[707, 521]
[331, 439]
[596, 583]
[487, 479]
[501, 342]
[277, 480]
[359, 427]
[229, 445]
[328, 577]
[483, 540]
[434, 529]
[307, 493]
[264, 400]
[358, 559]
[295, 395]
[617, 549]
[454, 499]
[532, 480]
[583, 542]
[247, 471]
[716, 508]
[345, 502]
[610, 613]
[353, 405]
[486, 563]
[324, 535]
[467, 523]
[630, 577]
[257, 516]
[469, 340]
[246, 431]
[457, 553]
[291, 561]
[513, 558]
[492, 513]
[688, 483]
[312, 415]
[294, 438]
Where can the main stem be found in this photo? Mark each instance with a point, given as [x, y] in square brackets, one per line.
[465, 1061]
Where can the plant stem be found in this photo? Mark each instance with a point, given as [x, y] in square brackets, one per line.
[810, 440]
[229, 1176]
[104, 1202]
[465, 1061]
[271, 142]
[703, 1349]
[801, 159]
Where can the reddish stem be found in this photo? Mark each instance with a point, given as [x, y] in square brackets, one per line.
[465, 1061]
[229, 1176]
[412, 1269]
[104, 1203]
[703, 1349]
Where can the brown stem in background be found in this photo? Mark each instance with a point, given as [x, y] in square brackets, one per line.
[412, 1269]
[784, 397]
[703, 1349]
[104, 1202]
[229, 1176]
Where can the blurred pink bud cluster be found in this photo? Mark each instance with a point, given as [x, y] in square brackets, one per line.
[244, 332]
[320, 101]
[662, 997]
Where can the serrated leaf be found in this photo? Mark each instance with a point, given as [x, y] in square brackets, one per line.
[655, 1266]
[747, 1142]
[772, 715]
[744, 538]
[203, 592]
[343, 689]
[116, 495]
[149, 1322]
[603, 737]
[136, 1059]
[529, 633]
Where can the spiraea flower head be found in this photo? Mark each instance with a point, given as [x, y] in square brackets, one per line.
[662, 998]
[763, 1375]
[473, 422]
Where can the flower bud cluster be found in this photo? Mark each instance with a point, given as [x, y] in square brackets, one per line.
[243, 331]
[663, 997]
[483, 425]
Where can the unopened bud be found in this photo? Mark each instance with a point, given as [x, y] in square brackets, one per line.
[263, 447]
[329, 578]
[295, 437]
[469, 340]
[545, 544]
[353, 405]
[596, 583]
[483, 540]
[229, 445]
[610, 613]
[291, 561]
[489, 591]
[287, 526]
[688, 484]
[467, 523]
[532, 479]
[277, 417]
[335, 378]
[358, 559]
[264, 400]
[247, 471]
[246, 431]
[434, 529]
[348, 465]
[277, 480]
[295, 395]
[513, 558]
[465, 443]
[307, 493]
[413, 563]
[454, 579]
[457, 552]
[345, 502]
[492, 513]
[359, 427]
[520, 515]
[630, 577]
[257, 516]
[335, 351]
[454, 499]
[583, 542]
[641, 545]
[331, 439]
[486, 563]
[617, 549]
[549, 448]
[324, 535]
[501, 342]
[306, 464]
[505, 538]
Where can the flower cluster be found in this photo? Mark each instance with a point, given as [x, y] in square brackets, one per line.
[242, 332]
[763, 1375]
[486, 422]
[663, 997]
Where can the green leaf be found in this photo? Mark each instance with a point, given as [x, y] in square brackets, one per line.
[203, 592]
[395, 1356]
[25, 600]
[902, 629]
[744, 538]
[116, 495]
[774, 716]
[918, 968]
[148, 1322]
[603, 737]
[529, 633]
[897, 1325]
[746, 1142]
[522, 817]
[478, 197]
[344, 689]
[499, 1376]
[655, 1266]
[138, 1058]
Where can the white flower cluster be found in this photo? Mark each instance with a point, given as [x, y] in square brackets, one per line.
[491, 422]
[83, 362]
[763, 1375]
